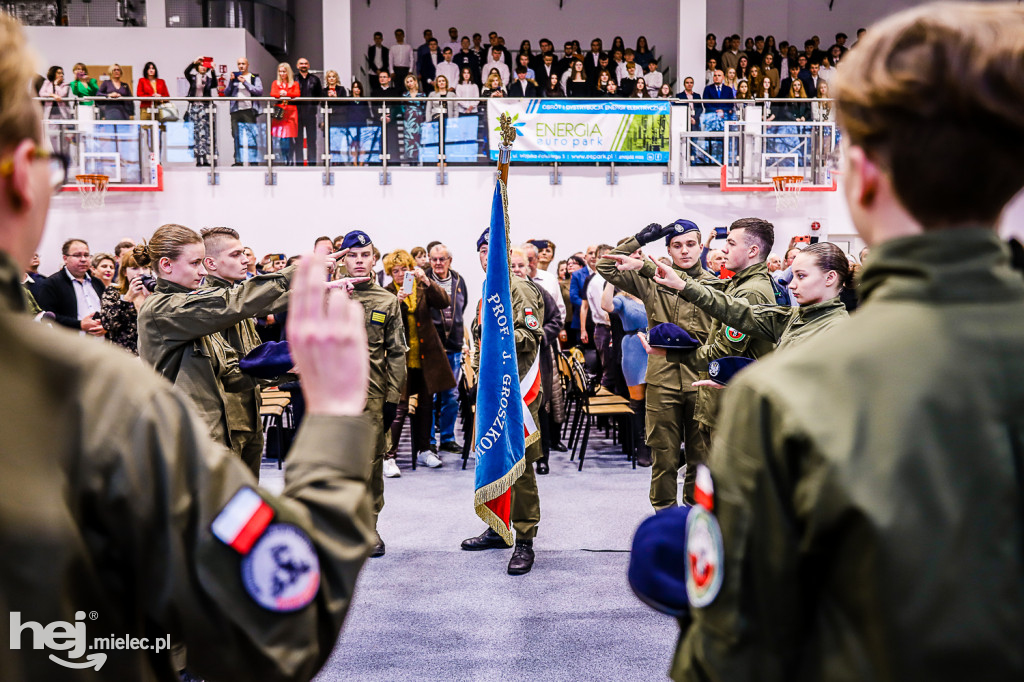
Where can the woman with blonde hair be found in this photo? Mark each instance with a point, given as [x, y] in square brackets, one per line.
[120, 303]
[103, 267]
[822, 110]
[494, 87]
[114, 89]
[798, 110]
[429, 371]
[284, 125]
[442, 90]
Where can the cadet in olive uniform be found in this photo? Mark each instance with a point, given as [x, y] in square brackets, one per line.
[671, 396]
[225, 257]
[868, 518]
[385, 333]
[113, 491]
[821, 273]
[527, 313]
[179, 323]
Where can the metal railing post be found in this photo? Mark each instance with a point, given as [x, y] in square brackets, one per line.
[554, 177]
[270, 177]
[442, 176]
[611, 177]
[213, 177]
[328, 175]
[385, 176]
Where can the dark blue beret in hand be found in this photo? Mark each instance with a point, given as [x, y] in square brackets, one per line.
[267, 360]
[722, 370]
[355, 239]
[672, 337]
[658, 562]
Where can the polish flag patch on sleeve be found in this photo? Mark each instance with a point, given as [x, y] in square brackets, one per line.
[242, 520]
[704, 488]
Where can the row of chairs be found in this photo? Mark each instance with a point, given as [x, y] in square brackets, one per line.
[277, 417]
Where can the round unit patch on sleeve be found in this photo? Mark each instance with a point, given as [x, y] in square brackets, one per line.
[734, 335]
[531, 318]
[704, 555]
[282, 572]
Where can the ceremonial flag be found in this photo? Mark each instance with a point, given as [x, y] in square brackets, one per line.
[500, 432]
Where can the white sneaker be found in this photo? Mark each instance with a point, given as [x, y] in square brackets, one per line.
[391, 468]
[429, 459]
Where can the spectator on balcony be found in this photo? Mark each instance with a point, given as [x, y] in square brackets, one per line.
[822, 111]
[691, 99]
[478, 49]
[576, 85]
[764, 95]
[309, 86]
[794, 75]
[150, 85]
[465, 58]
[629, 81]
[342, 116]
[200, 84]
[642, 53]
[799, 109]
[717, 91]
[467, 87]
[493, 87]
[592, 60]
[569, 55]
[427, 65]
[547, 48]
[618, 44]
[709, 73]
[615, 58]
[770, 48]
[835, 53]
[600, 89]
[377, 55]
[545, 69]
[789, 60]
[742, 93]
[453, 40]
[613, 89]
[523, 59]
[59, 92]
[554, 87]
[730, 78]
[621, 71]
[521, 86]
[423, 49]
[83, 87]
[447, 68]
[711, 50]
[640, 90]
[497, 62]
[664, 92]
[402, 57]
[525, 48]
[769, 70]
[114, 89]
[442, 90]
[285, 130]
[243, 86]
[743, 68]
[653, 78]
[755, 75]
[731, 52]
[827, 69]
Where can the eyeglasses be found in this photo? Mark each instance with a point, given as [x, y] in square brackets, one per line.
[58, 165]
[440, 260]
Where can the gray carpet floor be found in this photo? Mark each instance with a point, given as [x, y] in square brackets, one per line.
[430, 611]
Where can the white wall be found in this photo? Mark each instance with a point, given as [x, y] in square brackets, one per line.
[525, 19]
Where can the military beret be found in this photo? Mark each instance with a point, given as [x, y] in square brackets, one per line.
[681, 227]
[658, 562]
[484, 238]
[267, 360]
[541, 244]
[672, 337]
[724, 369]
[355, 238]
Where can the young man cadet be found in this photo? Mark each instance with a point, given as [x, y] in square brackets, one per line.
[868, 498]
[671, 397]
[385, 334]
[527, 314]
[114, 499]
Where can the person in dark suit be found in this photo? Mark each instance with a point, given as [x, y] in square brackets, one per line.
[794, 73]
[537, 60]
[521, 87]
[717, 91]
[427, 65]
[377, 56]
[691, 98]
[591, 61]
[465, 58]
[563, 64]
[546, 69]
[70, 293]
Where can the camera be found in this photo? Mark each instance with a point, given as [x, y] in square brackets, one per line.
[148, 281]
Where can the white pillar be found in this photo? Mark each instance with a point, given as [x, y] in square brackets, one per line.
[156, 14]
[693, 20]
[338, 38]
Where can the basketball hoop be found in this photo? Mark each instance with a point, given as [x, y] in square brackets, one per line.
[787, 190]
[93, 189]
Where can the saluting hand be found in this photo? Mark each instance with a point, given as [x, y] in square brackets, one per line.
[327, 338]
[624, 263]
[667, 277]
[347, 283]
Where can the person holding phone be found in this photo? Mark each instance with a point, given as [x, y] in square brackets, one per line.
[201, 83]
[120, 303]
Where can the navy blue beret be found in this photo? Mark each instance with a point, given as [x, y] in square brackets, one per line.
[724, 369]
[484, 238]
[355, 238]
[658, 562]
[267, 360]
[681, 227]
[541, 244]
[672, 337]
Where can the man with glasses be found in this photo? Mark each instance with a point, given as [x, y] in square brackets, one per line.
[449, 325]
[71, 294]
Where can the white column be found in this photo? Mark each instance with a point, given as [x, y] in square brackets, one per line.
[156, 14]
[337, 24]
[693, 20]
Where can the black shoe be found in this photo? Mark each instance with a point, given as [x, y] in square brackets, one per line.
[486, 540]
[643, 460]
[379, 549]
[451, 446]
[236, 164]
[559, 446]
[522, 559]
[542, 467]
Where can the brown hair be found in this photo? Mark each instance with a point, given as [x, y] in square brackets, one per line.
[396, 258]
[65, 248]
[933, 95]
[127, 261]
[214, 236]
[19, 115]
[167, 242]
[100, 257]
[418, 251]
[827, 256]
[756, 231]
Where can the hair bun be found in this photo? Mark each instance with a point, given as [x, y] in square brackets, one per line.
[142, 256]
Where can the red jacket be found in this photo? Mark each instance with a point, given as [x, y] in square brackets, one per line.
[145, 89]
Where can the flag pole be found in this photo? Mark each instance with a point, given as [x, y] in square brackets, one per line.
[508, 136]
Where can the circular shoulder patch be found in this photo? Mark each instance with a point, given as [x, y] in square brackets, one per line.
[734, 335]
[704, 555]
[282, 572]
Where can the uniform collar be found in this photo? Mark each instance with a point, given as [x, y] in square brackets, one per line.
[954, 265]
[363, 286]
[11, 296]
[165, 286]
[750, 271]
[218, 282]
[819, 309]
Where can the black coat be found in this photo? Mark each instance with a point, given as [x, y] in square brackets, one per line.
[192, 75]
[521, 89]
[57, 295]
[452, 331]
[385, 58]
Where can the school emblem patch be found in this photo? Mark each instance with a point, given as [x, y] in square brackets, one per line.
[734, 335]
[282, 572]
[378, 317]
[714, 368]
[531, 318]
[704, 554]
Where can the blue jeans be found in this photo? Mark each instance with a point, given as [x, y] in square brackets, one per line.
[446, 403]
[243, 130]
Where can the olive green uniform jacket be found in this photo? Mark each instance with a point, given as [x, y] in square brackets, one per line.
[868, 484]
[780, 324]
[110, 484]
[662, 305]
[753, 285]
[179, 337]
[385, 332]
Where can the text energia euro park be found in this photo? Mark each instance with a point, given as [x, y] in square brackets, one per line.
[569, 134]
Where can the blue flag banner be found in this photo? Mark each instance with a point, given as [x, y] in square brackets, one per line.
[500, 436]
